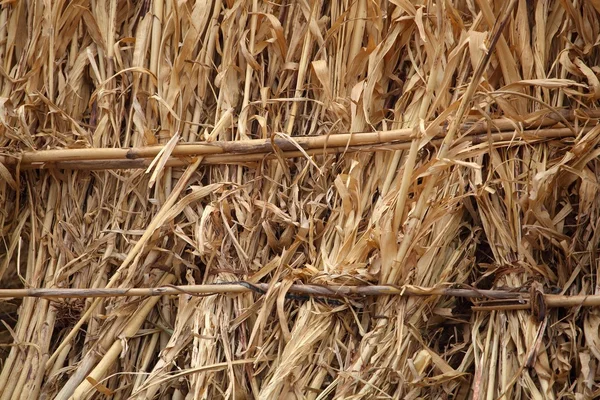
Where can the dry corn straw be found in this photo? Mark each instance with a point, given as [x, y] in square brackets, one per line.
[299, 199]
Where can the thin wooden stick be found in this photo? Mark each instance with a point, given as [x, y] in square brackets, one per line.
[243, 287]
[250, 151]
[516, 300]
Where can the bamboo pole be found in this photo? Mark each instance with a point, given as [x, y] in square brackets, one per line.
[250, 151]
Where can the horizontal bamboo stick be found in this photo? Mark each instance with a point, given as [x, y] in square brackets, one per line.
[130, 157]
[513, 299]
[251, 151]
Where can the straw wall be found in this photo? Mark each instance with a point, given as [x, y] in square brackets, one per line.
[480, 172]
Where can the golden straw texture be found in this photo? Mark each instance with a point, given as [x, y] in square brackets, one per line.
[408, 153]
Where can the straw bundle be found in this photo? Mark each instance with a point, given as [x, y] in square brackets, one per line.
[299, 199]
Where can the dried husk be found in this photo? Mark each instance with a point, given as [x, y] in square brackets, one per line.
[176, 143]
